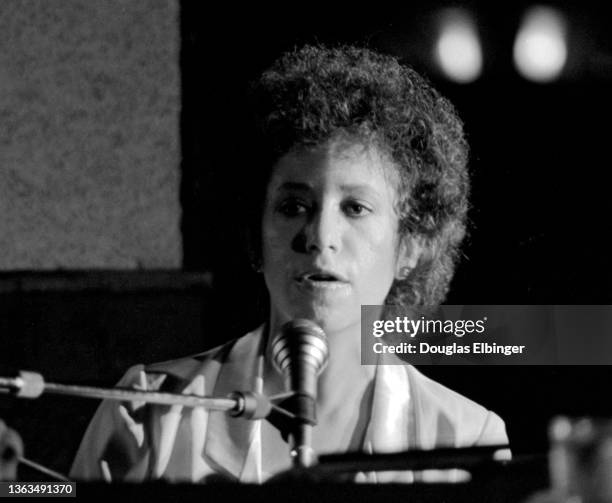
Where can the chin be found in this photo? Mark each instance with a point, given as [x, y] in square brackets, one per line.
[330, 319]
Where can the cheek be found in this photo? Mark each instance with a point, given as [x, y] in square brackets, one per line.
[380, 271]
[274, 241]
[380, 249]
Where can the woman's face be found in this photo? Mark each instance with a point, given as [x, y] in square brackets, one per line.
[329, 233]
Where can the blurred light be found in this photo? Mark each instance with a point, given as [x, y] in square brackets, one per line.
[540, 48]
[458, 49]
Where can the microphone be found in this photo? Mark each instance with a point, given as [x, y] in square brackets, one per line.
[300, 353]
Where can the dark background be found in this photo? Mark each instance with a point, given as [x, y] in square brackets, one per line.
[538, 233]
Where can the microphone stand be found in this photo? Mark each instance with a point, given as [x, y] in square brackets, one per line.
[245, 404]
[43, 469]
[293, 414]
[238, 404]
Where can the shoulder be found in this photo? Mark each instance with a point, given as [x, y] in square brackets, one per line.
[459, 421]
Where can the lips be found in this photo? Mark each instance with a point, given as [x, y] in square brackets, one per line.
[320, 276]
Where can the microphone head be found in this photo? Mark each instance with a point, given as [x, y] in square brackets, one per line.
[300, 343]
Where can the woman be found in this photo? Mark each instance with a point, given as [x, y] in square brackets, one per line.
[363, 202]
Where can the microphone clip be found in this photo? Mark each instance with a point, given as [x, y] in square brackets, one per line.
[250, 405]
[292, 411]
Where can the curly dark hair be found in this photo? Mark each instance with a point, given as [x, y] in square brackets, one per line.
[311, 94]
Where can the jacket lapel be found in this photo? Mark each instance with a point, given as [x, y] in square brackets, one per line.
[232, 445]
[392, 420]
[388, 430]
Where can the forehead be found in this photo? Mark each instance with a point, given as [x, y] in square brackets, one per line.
[338, 162]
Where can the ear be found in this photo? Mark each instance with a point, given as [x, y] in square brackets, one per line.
[410, 251]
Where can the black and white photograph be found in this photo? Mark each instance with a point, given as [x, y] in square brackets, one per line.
[305, 251]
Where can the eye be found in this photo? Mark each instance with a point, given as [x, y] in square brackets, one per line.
[356, 209]
[292, 207]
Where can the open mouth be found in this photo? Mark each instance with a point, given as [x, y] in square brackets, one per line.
[320, 277]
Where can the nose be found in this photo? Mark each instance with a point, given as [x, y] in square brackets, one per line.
[321, 232]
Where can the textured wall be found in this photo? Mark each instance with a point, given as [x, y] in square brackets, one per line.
[89, 139]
